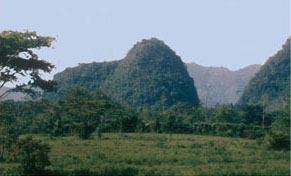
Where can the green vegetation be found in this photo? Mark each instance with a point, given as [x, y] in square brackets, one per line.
[271, 85]
[150, 93]
[82, 112]
[150, 76]
[162, 154]
[9, 131]
[18, 59]
[32, 154]
[279, 135]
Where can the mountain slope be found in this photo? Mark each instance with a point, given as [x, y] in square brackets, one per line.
[16, 96]
[219, 85]
[151, 75]
[271, 85]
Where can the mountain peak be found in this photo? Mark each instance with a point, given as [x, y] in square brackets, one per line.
[151, 41]
[150, 49]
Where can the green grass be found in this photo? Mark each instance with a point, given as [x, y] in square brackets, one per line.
[164, 154]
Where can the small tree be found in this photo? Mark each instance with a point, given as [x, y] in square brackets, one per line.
[32, 154]
[85, 110]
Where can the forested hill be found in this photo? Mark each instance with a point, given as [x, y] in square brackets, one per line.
[151, 75]
[271, 85]
[219, 85]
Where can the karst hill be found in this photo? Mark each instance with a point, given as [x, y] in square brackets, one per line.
[150, 76]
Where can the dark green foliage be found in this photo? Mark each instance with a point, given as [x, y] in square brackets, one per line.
[279, 135]
[83, 111]
[151, 75]
[228, 130]
[271, 85]
[222, 120]
[32, 154]
[252, 114]
[12, 65]
[9, 131]
[225, 114]
[78, 112]
[91, 76]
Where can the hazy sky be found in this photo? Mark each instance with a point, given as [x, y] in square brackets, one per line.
[230, 33]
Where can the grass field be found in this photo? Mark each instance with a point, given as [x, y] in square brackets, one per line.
[164, 154]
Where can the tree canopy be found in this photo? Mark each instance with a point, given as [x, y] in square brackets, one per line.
[18, 59]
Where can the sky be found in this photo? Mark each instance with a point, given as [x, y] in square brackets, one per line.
[229, 33]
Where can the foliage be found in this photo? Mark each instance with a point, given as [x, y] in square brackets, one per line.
[225, 114]
[279, 135]
[8, 129]
[271, 85]
[19, 60]
[150, 76]
[83, 110]
[252, 114]
[228, 130]
[32, 154]
[87, 110]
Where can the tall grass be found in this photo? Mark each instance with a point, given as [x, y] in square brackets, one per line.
[164, 154]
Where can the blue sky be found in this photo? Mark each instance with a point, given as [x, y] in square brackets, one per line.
[230, 33]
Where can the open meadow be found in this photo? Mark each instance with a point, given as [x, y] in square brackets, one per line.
[162, 154]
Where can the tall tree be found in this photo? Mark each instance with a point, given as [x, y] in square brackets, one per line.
[18, 59]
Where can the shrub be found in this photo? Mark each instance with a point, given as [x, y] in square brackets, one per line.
[279, 135]
[32, 154]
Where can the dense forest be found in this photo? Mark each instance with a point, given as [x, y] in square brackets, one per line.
[150, 76]
[270, 87]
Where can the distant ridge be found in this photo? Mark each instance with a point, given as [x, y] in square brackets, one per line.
[16, 96]
[219, 85]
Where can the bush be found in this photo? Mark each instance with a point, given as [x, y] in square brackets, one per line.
[279, 135]
[32, 154]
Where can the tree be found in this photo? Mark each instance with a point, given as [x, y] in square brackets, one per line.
[224, 114]
[85, 110]
[17, 59]
[32, 154]
[252, 114]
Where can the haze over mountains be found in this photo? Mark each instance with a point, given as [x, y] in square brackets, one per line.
[16, 96]
[219, 85]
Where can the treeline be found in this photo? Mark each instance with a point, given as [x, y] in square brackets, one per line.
[81, 112]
